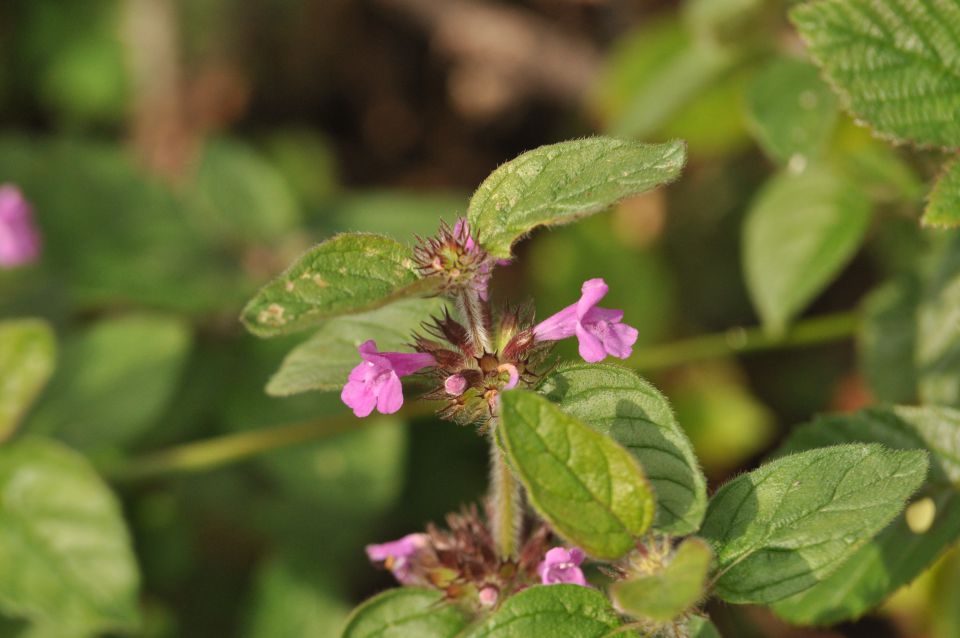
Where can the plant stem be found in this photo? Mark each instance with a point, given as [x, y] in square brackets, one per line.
[231, 448]
[505, 503]
[823, 329]
[472, 309]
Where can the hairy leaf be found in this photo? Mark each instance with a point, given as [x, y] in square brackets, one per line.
[64, 548]
[559, 183]
[550, 610]
[789, 524]
[615, 401]
[800, 232]
[665, 595]
[896, 63]
[403, 612]
[589, 488]
[27, 351]
[943, 208]
[899, 553]
[790, 110]
[324, 360]
[348, 274]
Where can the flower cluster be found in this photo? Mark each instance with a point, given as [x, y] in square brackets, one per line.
[19, 237]
[462, 562]
[471, 364]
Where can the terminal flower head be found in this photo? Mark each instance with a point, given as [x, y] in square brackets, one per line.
[19, 237]
[375, 382]
[599, 330]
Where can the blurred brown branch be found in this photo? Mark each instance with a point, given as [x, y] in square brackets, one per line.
[502, 55]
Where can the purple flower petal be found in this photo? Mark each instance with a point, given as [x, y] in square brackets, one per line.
[557, 326]
[592, 291]
[389, 394]
[513, 376]
[562, 566]
[590, 346]
[19, 237]
[396, 555]
[376, 381]
[455, 384]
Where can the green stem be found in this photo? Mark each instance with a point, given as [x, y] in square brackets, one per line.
[505, 501]
[232, 448]
[823, 329]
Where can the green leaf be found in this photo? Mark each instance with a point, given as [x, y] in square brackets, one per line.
[618, 403]
[789, 524]
[887, 339]
[27, 352]
[790, 110]
[324, 360]
[403, 612]
[238, 195]
[700, 627]
[663, 596]
[114, 381]
[943, 207]
[549, 610]
[894, 63]
[294, 600]
[63, 544]
[656, 73]
[938, 329]
[560, 183]
[348, 274]
[589, 488]
[800, 232]
[899, 553]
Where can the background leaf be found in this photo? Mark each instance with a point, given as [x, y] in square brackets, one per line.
[114, 381]
[800, 232]
[894, 62]
[790, 110]
[27, 351]
[348, 274]
[666, 594]
[937, 354]
[550, 610]
[405, 611]
[324, 360]
[899, 553]
[786, 526]
[589, 488]
[887, 339]
[559, 183]
[65, 550]
[943, 207]
[618, 403]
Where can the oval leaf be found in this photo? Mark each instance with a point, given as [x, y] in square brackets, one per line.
[404, 612]
[667, 594]
[898, 554]
[560, 183]
[27, 351]
[348, 274]
[789, 524]
[800, 232]
[64, 548]
[325, 359]
[893, 61]
[618, 403]
[550, 610]
[790, 110]
[589, 488]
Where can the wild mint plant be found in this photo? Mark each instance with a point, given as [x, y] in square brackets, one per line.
[597, 520]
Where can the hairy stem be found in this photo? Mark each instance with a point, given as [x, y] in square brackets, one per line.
[473, 310]
[232, 448]
[505, 502]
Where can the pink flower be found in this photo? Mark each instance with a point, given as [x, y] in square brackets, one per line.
[396, 555]
[19, 237]
[376, 381]
[598, 330]
[562, 566]
[513, 376]
[455, 385]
